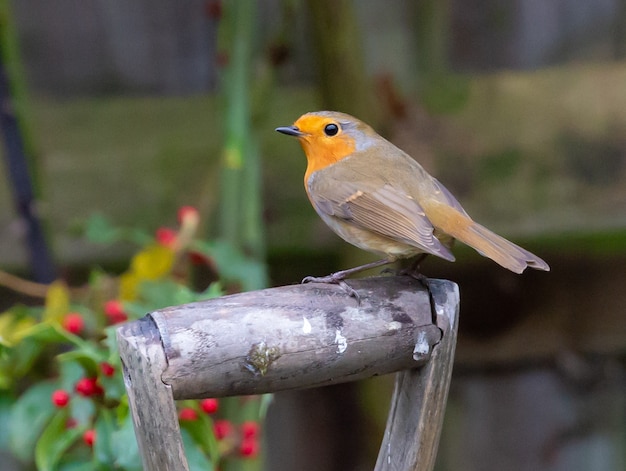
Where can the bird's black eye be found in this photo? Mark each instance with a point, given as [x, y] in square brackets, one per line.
[331, 129]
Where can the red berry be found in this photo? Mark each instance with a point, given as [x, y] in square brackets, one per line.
[60, 398]
[88, 387]
[209, 406]
[249, 447]
[107, 369]
[89, 437]
[188, 414]
[74, 322]
[165, 236]
[222, 428]
[115, 311]
[188, 213]
[250, 429]
[71, 423]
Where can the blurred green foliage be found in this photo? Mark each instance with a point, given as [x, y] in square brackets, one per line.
[43, 352]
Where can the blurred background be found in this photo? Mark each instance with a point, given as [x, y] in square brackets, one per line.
[132, 109]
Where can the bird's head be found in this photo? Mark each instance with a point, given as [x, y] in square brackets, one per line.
[328, 137]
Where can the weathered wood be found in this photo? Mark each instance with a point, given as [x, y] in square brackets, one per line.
[295, 337]
[419, 400]
[151, 402]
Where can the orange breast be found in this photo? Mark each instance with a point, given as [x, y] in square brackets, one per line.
[321, 154]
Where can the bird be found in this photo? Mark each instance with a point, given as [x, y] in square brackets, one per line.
[378, 198]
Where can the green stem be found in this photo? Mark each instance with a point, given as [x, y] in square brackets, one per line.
[240, 195]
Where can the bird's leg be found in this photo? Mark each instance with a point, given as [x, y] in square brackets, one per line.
[413, 270]
[338, 277]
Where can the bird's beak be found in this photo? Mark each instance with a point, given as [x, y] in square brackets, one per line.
[290, 131]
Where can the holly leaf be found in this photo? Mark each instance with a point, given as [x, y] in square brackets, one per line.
[13, 325]
[99, 229]
[103, 451]
[55, 440]
[196, 457]
[124, 446]
[31, 413]
[234, 265]
[82, 410]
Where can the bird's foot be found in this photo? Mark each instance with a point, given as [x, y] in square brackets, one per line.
[338, 278]
[335, 279]
[416, 275]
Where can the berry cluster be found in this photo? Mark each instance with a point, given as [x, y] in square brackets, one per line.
[87, 387]
[235, 439]
[74, 322]
[75, 331]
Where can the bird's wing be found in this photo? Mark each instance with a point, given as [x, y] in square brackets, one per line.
[441, 194]
[378, 207]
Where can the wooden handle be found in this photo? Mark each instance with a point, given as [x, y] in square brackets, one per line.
[419, 399]
[296, 336]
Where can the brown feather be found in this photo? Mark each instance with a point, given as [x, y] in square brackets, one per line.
[486, 242]
[375, 207]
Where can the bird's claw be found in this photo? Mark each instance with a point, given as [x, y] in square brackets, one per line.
[335, 280]
[423, 279]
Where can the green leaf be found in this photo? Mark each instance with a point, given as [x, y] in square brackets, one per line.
[103, 451]
[160, 294]
[155, 295]
[89, 357]
[82, 409]
[99, 229]
[113, 386]
[233, 265]
[69, 373]
[31, 413]
[6, 402]
[55, 440]
[201, 431]
[124, 446]
[77, 464]
[18, 361]
[4, 349]
[196, 458]
[46, 333]
[214, 290]
[110, 343]
[13, 324]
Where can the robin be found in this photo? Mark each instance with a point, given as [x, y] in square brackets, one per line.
[378, 198]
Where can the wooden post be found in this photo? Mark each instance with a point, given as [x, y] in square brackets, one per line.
[292, 337]
[419, 399]
[151, 402]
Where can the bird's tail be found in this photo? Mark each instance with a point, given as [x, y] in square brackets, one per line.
[499, 249]
[460, 226]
